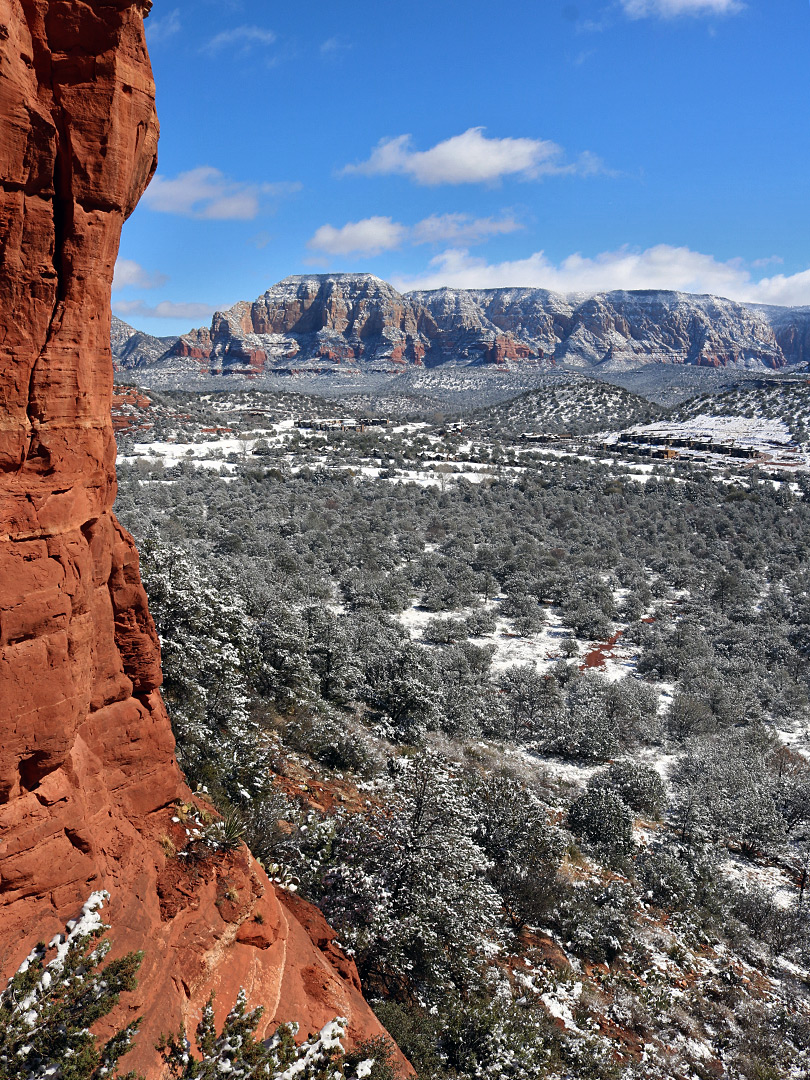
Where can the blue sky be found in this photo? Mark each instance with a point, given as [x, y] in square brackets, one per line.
[576, 146]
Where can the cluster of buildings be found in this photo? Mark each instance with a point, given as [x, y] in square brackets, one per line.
[667, 445]
[539, 437]
[342, 423]
[734, 438]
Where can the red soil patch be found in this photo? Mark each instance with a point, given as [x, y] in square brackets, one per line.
[600, 653]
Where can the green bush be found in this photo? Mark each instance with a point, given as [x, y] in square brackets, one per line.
[665, 880]
[605, 819]
[596, 920]
[639, 786]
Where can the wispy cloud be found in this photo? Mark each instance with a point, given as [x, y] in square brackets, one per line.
[333, 46]
[461, 229]
[670, 9]
[129, 273]
[659, 267]
[472, 158]
[207, 194]
[166, 309]
[583, 57]
[160, 30]
[374, 235]
[240, 39]
[260, 240]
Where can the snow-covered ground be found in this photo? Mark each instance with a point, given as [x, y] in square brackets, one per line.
[773, 879]
[543, 648]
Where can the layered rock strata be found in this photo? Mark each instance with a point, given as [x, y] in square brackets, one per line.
[314, 322]
[88, 778]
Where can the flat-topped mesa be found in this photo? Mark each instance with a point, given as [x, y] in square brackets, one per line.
[88, 778]
[356, 322]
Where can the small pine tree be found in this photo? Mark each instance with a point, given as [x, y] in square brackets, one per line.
[47, 1010]
[639, 786]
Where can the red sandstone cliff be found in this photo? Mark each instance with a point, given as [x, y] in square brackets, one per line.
[315, 321]
[87, 769]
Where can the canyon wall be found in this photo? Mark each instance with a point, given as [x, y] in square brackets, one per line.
[88, 778]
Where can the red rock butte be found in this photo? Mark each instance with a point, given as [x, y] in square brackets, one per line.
[88, 777]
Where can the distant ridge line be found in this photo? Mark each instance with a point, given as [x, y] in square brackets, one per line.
[359, 322]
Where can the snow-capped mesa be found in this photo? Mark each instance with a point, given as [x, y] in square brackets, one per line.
[348, 324]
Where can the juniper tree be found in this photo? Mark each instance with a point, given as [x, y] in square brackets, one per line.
[605, 819]
[50, 1005]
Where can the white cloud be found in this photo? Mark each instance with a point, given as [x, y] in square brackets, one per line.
[160, 30]
[128, 272]
[206, 193]
[659, 267]
[471, 158]
[166, 309]
[669, 9]
[370, 236]
[792, 290]
[373, 235]
[241, 38]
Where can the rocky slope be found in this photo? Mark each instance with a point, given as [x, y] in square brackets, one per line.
[791, 327]
[133, 348]
[351, 322]
[89, 785]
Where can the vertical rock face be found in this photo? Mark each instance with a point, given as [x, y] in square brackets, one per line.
[792, 330]
[88, 778]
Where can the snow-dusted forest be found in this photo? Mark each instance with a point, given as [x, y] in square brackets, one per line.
[530, 727]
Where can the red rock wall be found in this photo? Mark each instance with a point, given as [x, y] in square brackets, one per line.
[87, 770]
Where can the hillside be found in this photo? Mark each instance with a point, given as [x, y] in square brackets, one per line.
[785, 401]
[534, 721]
[573, 403]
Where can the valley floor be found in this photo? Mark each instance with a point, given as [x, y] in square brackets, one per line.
[527, 717]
